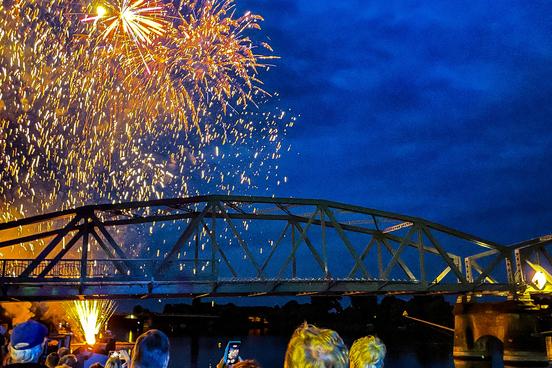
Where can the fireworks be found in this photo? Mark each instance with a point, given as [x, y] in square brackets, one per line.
[130, 24]
[90, 316]
[136, 19]
[98, 101]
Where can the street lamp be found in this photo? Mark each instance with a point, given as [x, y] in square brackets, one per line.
[539, 280]
[541, 277]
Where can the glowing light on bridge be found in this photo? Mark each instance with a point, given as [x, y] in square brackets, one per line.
[539, 279]
[91, 316]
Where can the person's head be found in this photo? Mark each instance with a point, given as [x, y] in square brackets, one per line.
[151, 350]
[250, 363]
[313, 347]
[27, 342]
[69, 359]
[367, 352]
[52, 360]
[96, 365]
[113, 362]
[63, 351]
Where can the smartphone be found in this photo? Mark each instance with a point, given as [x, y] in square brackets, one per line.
[232, 352]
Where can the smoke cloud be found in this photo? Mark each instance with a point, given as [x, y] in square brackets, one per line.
[18, 311]
[49, 313]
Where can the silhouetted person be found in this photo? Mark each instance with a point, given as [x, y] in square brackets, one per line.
[63, 351]
[27, 344]
[151, 350]
[52, 360]
[70, 360]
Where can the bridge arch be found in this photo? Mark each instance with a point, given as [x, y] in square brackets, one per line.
[238, 245]
[493, 349]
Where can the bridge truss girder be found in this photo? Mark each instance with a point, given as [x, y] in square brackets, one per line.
[318, 247]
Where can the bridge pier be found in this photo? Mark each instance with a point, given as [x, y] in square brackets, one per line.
[513, 326]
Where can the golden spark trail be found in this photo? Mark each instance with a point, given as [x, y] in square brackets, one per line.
[91, 316]
[119, 100]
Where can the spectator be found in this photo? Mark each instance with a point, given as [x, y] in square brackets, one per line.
[52, 360]
[63, 351]
[3, 341]
[151, 350]
[312, 347]
[70, 360]
[111, 343]
[114, 362]
[367, 352]
[27, 344]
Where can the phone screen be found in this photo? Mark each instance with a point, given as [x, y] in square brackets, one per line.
[232, 352]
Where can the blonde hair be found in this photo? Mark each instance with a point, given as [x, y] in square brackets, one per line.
[113, 362]
[313, 347]
[367, 352]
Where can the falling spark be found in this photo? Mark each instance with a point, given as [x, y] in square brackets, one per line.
[122, 100]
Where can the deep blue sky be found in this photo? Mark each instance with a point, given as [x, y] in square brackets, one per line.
[438, 109]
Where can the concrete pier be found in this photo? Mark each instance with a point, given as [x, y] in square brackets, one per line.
[513, 327]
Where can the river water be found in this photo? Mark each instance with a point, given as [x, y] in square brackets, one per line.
[204, 352]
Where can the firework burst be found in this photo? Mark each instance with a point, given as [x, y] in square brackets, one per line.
[90, 316]
[97, 102]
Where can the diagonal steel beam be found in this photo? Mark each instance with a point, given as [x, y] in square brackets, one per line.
[486, 272]
[346, 241]
[242, 243]
[107, 251]
[363, 255]
[60, 255]
[445, 256]
[33, 237]
[217, 248]
[401, 263]
[441, 276]
[310, 246]
[479, 269]
[397, 254]
[274, 247]
[50, 247]
[100, 225]
[190, 230]
[295, 245]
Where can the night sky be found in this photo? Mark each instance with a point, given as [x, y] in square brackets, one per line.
[437, 109]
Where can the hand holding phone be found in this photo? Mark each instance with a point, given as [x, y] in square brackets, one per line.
[232, 352]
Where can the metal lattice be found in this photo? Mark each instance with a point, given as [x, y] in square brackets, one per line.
[235, 245]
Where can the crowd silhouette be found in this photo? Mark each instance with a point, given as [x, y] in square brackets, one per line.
[308, 347]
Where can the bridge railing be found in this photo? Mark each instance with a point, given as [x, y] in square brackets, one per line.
[107, 269]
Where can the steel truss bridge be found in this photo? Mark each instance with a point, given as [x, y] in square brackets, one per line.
[216, 245]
